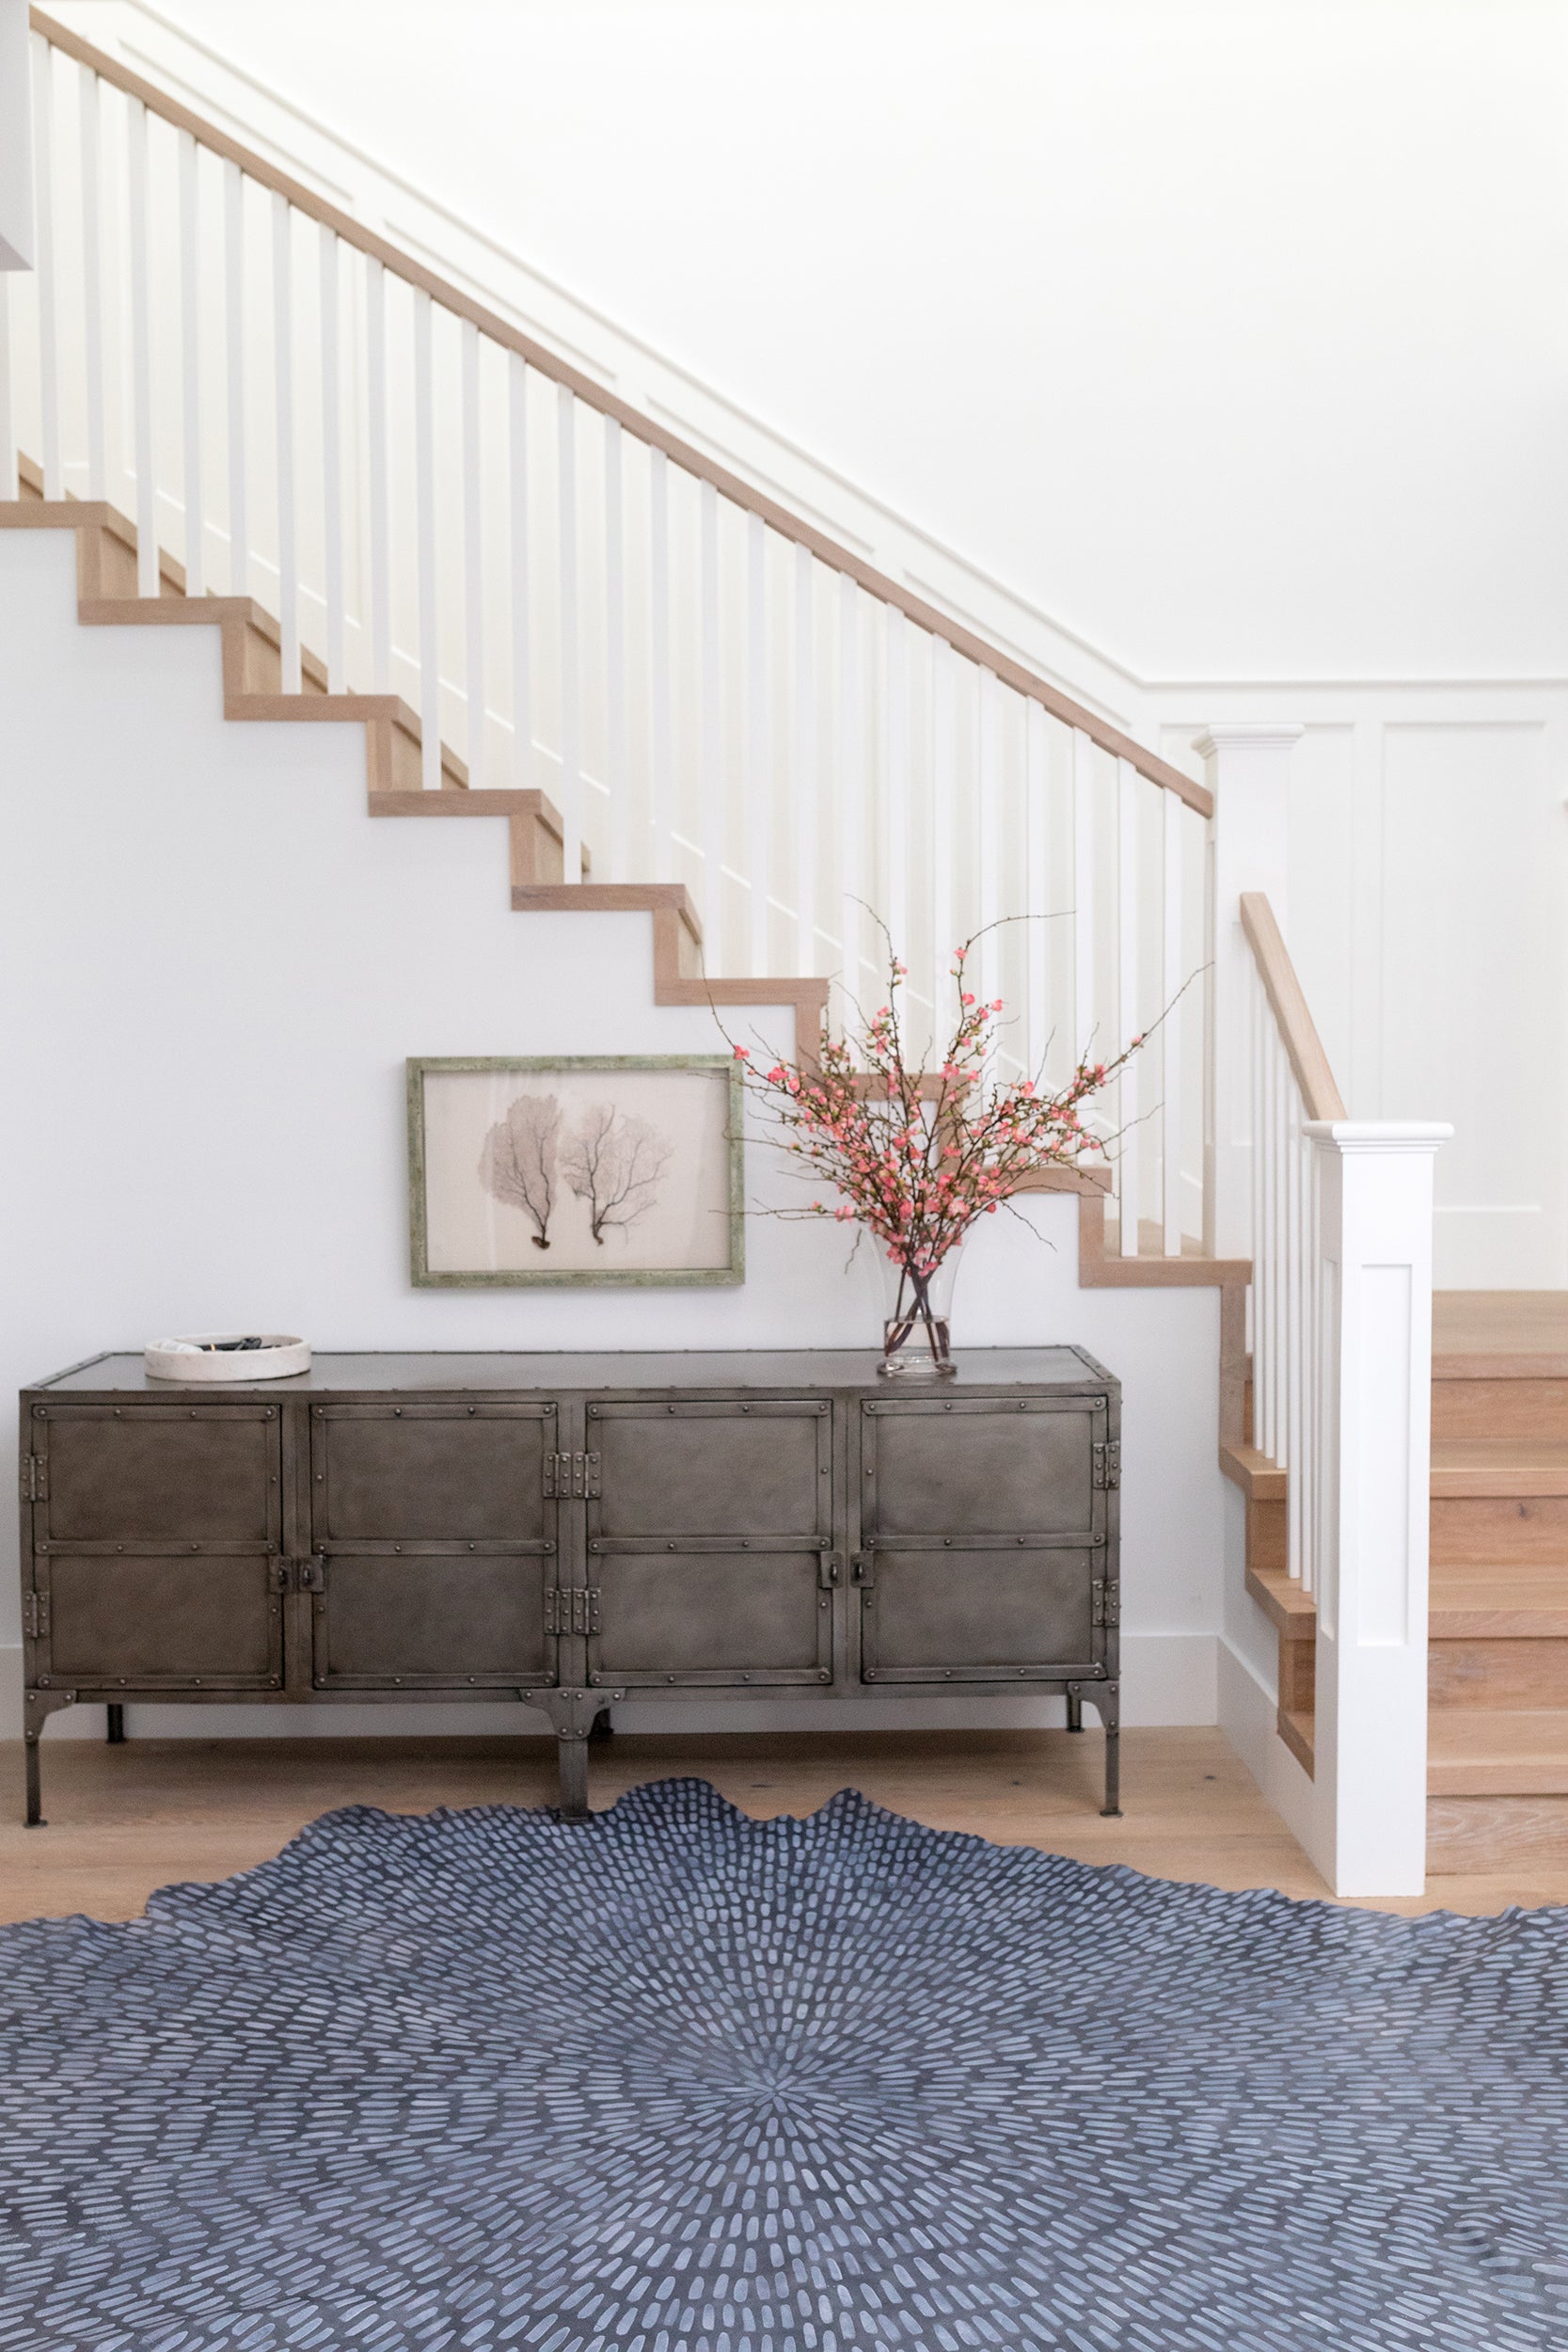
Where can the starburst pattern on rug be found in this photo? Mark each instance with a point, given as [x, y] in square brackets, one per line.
[684, 2082]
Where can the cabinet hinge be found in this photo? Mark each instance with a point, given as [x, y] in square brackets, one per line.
[1107, 1601]
[35, 1478]
[35, 1616]
[1107, 1464]
[572, 1611]
[572, 1477]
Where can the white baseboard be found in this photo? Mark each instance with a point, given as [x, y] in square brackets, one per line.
[1166, 1679]
[1247, 1714]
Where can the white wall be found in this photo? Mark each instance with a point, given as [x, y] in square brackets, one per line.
[211, 966]
[1428, 874]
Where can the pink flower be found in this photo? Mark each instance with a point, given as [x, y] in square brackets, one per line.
[743, 1052]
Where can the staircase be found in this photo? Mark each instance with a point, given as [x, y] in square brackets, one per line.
[1497, 1626]
[1497, 1744]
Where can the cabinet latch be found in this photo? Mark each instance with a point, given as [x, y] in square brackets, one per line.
[35, 1478]
[572, 1477]
[830, 1569]
[862, 1568]
[1107, 1601]
[35, 1616]
[300, 1576]
[1107, 1464]
[568, 1611]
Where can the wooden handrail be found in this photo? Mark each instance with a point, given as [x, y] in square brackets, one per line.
[1286, 996]
[839, 559]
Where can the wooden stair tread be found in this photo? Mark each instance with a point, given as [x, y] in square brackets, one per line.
[1500, 1466]
[1498, 1752]
[1499, 1604]
[1499, 1335]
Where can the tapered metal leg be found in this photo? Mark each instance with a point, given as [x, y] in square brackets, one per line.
[1112, 1805]
[115, 1733]
[573, 1780]
[37, 1708]
[1074, 1713]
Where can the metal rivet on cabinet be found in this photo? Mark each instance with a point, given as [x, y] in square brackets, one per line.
[822, 1675]
[40, 1412]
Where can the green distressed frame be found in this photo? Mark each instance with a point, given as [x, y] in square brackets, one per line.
[584, 1278]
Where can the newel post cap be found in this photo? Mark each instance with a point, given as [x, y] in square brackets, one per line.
[1378, 1134]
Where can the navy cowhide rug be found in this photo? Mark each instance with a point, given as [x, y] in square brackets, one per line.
[680, 2081]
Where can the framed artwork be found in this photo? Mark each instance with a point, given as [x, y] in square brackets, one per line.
[583, 1169]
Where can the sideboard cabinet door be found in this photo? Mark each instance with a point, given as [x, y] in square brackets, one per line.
[984, 1540]
[156, 1553]
[710, 1542]
[435, 1544]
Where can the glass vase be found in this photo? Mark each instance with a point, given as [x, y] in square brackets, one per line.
[916, 1310]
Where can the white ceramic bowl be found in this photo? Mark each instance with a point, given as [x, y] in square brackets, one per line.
[186, 1359]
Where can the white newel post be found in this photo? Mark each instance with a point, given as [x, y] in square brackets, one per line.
[1247, 769]
[1374, 1414]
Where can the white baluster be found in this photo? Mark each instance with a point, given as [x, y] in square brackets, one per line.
[617, 776]
[759, 765]
[895, 827]
[48, 290]
[332, 466]
[473, 551]
[92, 285]
[1084, 1008]
[1262, 1256]
[661, 749]
[1129, 1149]
[1037, 796]
[522, 662]
[851, 788]
[1314, 1479]
[944, 761]
[710, 752]
[377, 479]
[571, 774]
[1297, 1452]
[234, 274]
[1170, 1050]
[9, 478]
[988, 813]
[805, 760]
[141, 351]
[190, 353]
[424, 479]
[283, 358]
[1285, 1087]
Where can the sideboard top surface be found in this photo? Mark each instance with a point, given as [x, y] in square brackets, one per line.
[977, 1368]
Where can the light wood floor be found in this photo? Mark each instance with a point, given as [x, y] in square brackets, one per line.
[126, 1820]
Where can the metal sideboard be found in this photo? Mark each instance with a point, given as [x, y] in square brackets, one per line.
[572, 1530]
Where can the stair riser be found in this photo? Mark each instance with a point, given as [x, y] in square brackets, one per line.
[1499, 1531]
[1500, 1408]
[1498, 1673]
[1488, 1834]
